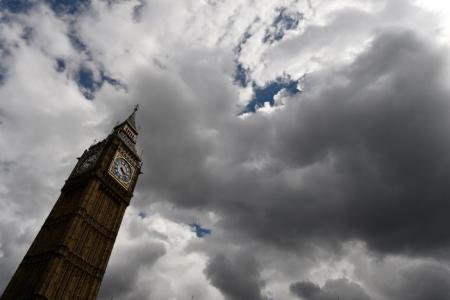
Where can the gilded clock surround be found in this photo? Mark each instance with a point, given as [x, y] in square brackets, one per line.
[123, 154]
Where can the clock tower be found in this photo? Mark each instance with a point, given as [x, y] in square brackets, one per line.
[68, 257]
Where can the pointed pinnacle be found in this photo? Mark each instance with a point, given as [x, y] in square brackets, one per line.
[131, 118]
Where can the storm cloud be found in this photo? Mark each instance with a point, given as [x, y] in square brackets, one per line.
[237, 277]
[363, 156]
[334, 187]
[339, 288]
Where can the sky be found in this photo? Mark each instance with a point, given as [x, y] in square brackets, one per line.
[311, 137]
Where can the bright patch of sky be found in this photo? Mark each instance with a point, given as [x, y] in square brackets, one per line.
[241, 75]
[85, 73]
[285, 20]
[15, 6]
[91, 78]
[89, 83]
[69, 6]
[199, 230]
[267, 93]
[442, 10]
[58, 6]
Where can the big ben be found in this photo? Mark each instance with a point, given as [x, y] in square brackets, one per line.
[68, 257]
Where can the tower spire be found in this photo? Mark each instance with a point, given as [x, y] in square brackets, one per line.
[132, 118]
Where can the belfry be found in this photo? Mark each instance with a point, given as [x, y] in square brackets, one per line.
[68, 257]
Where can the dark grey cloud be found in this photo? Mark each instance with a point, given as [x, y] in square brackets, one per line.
[379, 131]
[332, 290]
[361, 155]
[237, 277]
[121, 279]
[421, 281]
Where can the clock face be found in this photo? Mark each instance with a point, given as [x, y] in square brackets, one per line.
[122, 169]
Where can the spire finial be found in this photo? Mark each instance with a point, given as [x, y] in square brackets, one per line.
[131, 118]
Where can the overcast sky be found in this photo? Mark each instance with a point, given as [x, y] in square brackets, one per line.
[311, 137]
